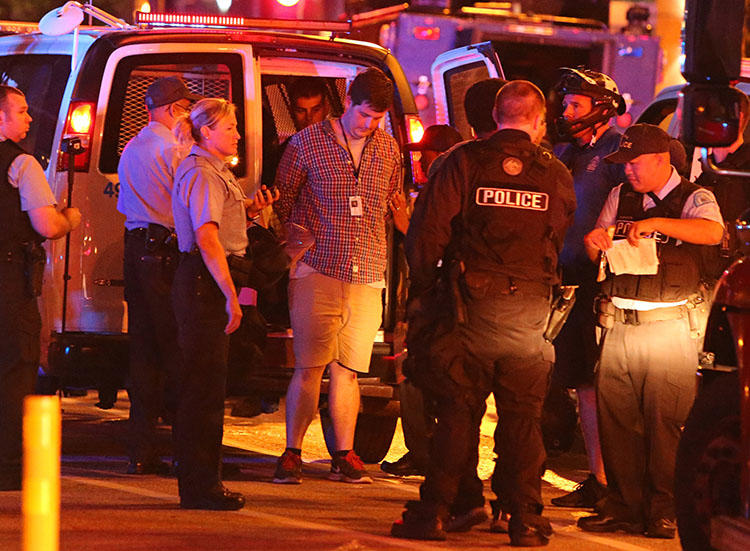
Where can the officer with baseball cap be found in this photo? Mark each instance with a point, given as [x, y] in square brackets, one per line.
[646, 379]
[146, 173]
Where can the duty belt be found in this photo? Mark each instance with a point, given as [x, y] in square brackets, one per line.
[637, 317]
[501, 284]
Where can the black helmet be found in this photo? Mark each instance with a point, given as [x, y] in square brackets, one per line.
[606, 99]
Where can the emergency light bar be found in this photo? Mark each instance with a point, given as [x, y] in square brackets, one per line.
[172, 20]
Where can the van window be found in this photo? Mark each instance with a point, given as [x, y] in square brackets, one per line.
[457, 82]
[42, 79]
[215, 75]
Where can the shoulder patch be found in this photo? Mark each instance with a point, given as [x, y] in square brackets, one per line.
[702, 197]
[513, 166]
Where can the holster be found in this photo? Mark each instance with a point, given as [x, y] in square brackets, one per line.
[605, 312]
[240, 268]
[35, 257]
[562, 303]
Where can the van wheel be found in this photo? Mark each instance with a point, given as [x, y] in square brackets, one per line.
[707, 474]
[373, 436]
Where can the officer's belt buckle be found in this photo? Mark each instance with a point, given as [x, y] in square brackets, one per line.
[630, 316]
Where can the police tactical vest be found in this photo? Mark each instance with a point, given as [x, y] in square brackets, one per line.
[510, 222]
[679, 272]
[15, 224]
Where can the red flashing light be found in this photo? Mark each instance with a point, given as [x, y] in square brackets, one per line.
[175, 19]
[427, 33]
[415, 128]
[80, 123]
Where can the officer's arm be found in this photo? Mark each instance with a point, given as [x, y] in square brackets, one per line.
[207, 239]
[698, 231]
[430, 227]
[50, 223]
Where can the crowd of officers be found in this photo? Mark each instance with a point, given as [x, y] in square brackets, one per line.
[499, 225]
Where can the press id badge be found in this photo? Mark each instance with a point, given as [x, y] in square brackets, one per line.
[355, 205]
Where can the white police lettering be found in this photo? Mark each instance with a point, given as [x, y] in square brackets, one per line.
[623, 226]
[512, 198]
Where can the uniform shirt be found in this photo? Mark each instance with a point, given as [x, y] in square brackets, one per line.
[317, 181]
[593, 179]
[440, 213]
[147, 171]
[26, 174]
[205, 190]
[699, 204]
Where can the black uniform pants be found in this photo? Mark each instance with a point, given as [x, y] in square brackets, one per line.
[505, 354]
[417, 423]
[154, 352]
[199, 308]
[20, 327]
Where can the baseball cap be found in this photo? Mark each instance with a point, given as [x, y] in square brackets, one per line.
[438, 137]
[166, 90]
[640, 139]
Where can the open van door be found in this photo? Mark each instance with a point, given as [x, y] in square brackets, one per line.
[453, 72]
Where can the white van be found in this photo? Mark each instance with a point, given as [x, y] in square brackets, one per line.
[89, 82]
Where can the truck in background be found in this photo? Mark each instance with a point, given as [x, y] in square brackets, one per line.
[531, 47]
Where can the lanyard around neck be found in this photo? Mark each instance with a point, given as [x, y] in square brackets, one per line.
[355, 166]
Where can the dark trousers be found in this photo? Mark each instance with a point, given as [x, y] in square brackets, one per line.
[20, 327]
[505, 354]
[417, 423]
[154, 352]
[199, 308]
[645, 389]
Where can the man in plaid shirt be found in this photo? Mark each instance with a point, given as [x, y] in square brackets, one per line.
[336, 179]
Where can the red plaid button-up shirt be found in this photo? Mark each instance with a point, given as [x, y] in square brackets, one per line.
[316, 180]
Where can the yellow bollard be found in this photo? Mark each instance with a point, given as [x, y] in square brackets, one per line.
[41, 473]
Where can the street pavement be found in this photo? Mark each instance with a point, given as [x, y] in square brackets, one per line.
[103, 509]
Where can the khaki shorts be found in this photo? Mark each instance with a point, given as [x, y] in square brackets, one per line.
[334, 320]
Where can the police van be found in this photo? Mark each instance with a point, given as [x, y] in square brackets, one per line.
[88, 83]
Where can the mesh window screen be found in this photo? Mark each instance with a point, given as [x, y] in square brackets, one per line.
[134, 114]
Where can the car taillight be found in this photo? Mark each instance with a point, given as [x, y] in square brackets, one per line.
[79, 124]
[415, 128]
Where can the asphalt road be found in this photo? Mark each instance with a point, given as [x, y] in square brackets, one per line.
[103, 509]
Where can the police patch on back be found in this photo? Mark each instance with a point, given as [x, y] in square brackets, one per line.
[512, 198]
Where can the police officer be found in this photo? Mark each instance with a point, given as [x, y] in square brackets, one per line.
[646, 379]
[146, 173]
[27, 217]
[589, 100]
[486, 203]
[210, 213]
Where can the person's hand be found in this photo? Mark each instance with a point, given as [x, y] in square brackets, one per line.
[72, 215]
[641, 228]
[262, 198]
[598, 239]
[234, 313]
[397, 205]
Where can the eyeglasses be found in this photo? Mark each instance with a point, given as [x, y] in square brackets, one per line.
[183, 108]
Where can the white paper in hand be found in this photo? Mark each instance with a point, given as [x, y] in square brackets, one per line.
[624, 258]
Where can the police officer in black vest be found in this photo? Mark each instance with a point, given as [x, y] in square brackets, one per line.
[27, 217]
[493, 218]
[646, 380]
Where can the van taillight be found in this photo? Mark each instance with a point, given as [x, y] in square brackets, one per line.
[79, 124]
[415, 128]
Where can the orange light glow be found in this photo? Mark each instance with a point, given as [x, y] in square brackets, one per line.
[81, 118]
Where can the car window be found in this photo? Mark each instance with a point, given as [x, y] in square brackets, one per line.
[660, 113]
[42, 78]
[215, 75]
